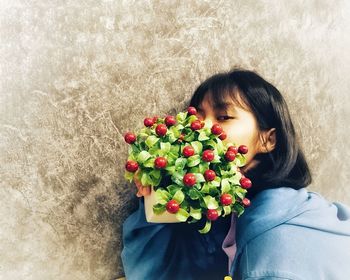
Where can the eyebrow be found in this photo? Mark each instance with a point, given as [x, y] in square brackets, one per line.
[218, 106]
[222, 105]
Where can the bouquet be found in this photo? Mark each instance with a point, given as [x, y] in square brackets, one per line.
[192, 171]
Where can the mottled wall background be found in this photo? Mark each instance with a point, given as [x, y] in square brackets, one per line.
[76, 75]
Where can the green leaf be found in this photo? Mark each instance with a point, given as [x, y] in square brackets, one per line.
[193, 160]
[216, 159]
[149, 162]
[179, 196]
[216, 182]
[171, 158]
[205, 189]
[202, 136]
[151, 140]
[191, 119]
[227, 210]
[194, 169]
[210, 202]
[206, 228]
[129, 176]
[170, 169]
[173, 189]
[180, 127]
[211, 143]
[177, 177]
[159, 209]
[199, 177]
[189, 137]
[195, 213]
[197, 146]
[180, 117]
[174, 149]
[240, 160]
[162, 196]
[134, 149]
[203, 166]
[145, 130]
[240, 192]
[225, 186]
[180, 163]
[155, 176]
[214, 191]
[165, 147]
[172, 138]
[143, 156]
[194, 194]
[175, 130]
[182, 215]
[154, 151]
[239, 209]
[132, 155]
[219, 146]
[144, 179]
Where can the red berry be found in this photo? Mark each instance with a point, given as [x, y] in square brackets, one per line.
[170, 120]
[226, 199]
[161, 129]
[131, 166]
[209, 175]
[130, 137]
[243, 149]
[188, 151]
[148, 122]
[202, 124]
[189, 179]
[246, 202]
[223, 136]
[172, 206]
[212, 214]
[196, 125]
[245, 183]
[230, 155]
[155, 119]
[216, 129]
[191, 111]
[233, 148]
[160, 162]
[208, 155]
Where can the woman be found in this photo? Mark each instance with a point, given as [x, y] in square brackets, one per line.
[287, 232]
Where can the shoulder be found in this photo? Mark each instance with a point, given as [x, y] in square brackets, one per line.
[274, 254]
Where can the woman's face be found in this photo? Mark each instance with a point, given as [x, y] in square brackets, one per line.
[240, 126]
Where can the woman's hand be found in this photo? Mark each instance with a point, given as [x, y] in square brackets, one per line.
[142, 190]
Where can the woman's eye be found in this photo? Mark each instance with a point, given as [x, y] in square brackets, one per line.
[223, 118]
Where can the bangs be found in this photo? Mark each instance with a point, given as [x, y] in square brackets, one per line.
[222, 94]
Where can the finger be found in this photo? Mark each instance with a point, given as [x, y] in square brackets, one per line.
[146, 191]
[138, 194]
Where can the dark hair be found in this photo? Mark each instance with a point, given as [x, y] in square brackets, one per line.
[286, 164]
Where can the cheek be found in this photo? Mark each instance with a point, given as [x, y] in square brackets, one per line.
[241, 135]
[238, 135]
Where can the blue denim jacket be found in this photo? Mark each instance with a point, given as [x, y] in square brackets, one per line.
[292, 234]
[161, 251]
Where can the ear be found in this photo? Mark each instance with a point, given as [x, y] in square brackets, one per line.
[267, 140]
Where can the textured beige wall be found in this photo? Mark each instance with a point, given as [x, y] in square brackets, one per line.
[76, 75]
